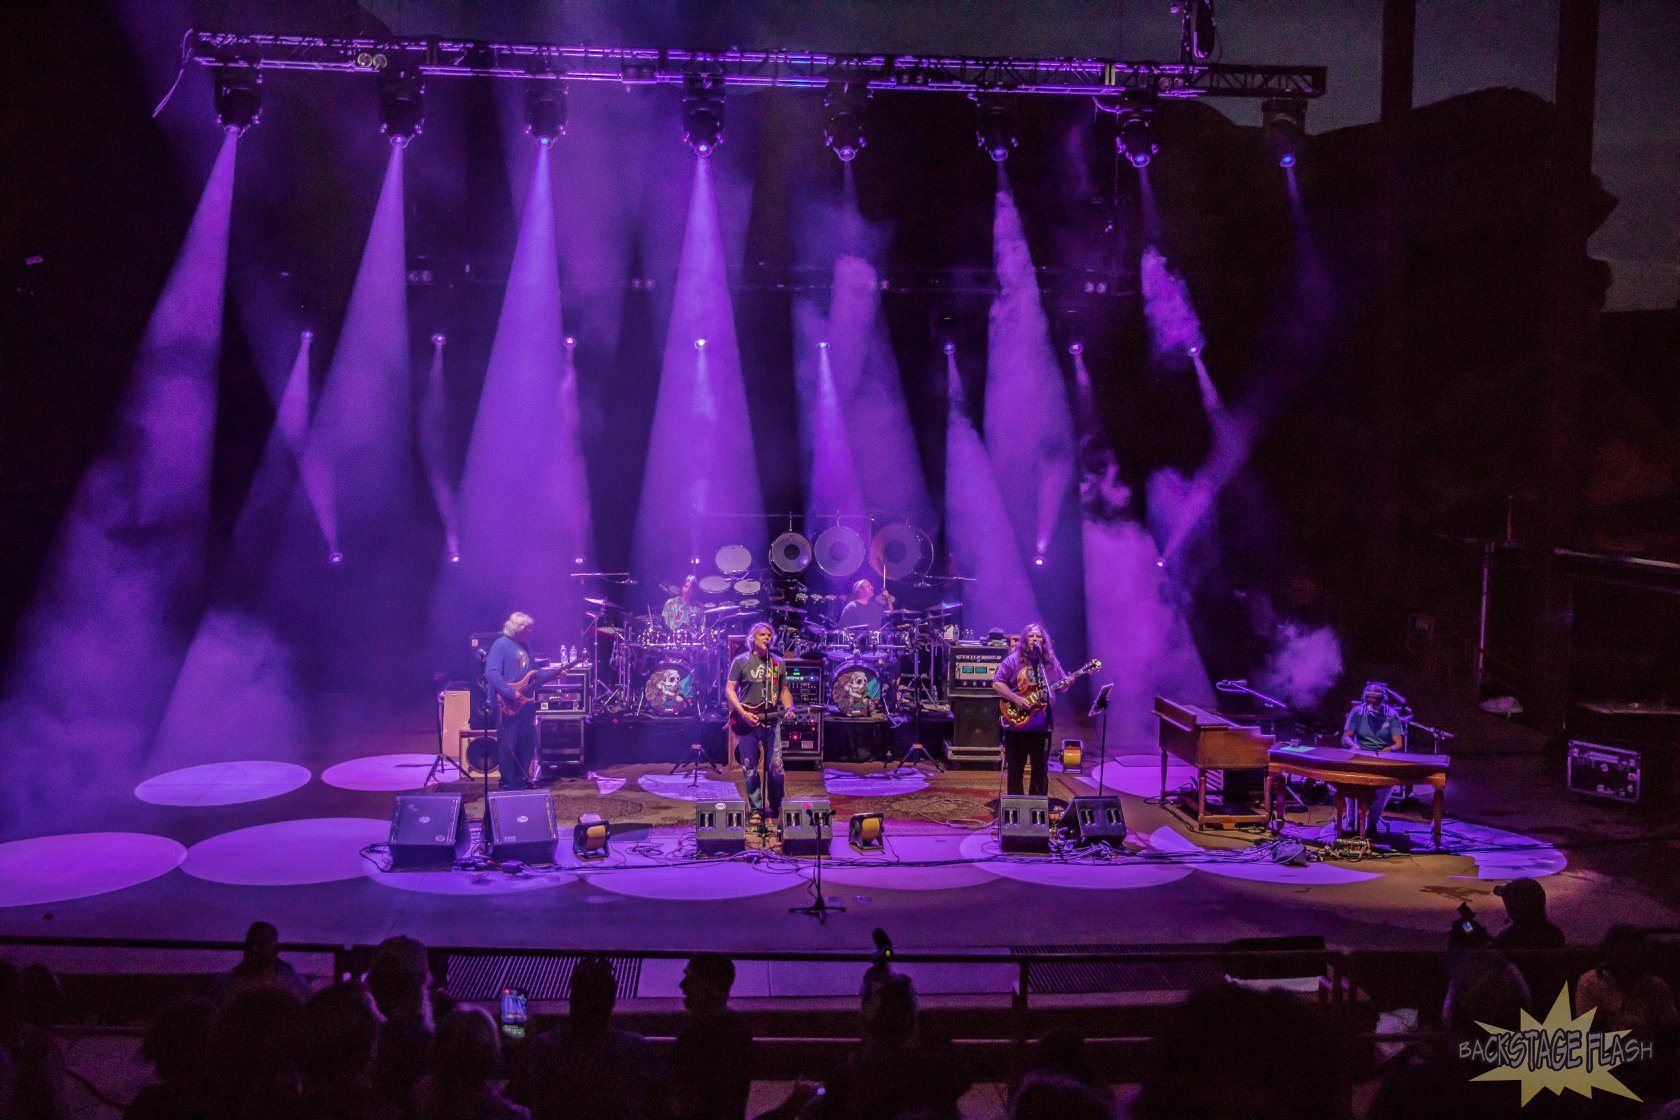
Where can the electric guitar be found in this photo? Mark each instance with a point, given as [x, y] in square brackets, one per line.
[768, 716]
[1017, 715]
[526, 686]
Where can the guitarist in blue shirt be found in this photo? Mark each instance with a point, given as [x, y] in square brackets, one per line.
[513, 677]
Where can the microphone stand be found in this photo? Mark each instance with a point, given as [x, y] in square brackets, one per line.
[1099, 706]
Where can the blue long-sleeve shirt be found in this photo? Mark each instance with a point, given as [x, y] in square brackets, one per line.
[508, 662]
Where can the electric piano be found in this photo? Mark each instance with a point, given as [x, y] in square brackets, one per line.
[1356, 775]
[1209, 741]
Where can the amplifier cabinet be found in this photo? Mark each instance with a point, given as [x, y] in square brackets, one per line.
[560, 743]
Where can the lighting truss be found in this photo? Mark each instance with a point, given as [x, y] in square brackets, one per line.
[793, 69]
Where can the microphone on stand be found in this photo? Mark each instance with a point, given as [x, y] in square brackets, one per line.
[1231, 686]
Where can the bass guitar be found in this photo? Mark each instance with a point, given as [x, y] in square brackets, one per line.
[525, 687]
[1017, 715]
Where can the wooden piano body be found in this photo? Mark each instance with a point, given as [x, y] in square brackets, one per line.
[1209, 741]
[1356, 775]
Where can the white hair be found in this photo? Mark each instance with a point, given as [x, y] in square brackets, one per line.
[516, 622]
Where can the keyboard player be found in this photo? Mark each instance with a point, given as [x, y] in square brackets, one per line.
[1374, 726]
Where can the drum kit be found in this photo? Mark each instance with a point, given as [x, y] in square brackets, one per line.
[654, 671]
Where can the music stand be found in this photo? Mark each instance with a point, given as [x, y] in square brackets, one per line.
[1099, 706]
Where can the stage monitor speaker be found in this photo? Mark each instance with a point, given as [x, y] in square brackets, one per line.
[560, 743]
[975, 734]
[519, 826]
[591, 837]
[867, 832]
[428, 831]
[1095, 820]
[807, 826]
[720, 827]
[1023, 823]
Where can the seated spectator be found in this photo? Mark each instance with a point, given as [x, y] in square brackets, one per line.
[398, 979]
[1053, 1096]
[1258, 1055]
[1531, 932]
[464, 1057]
[1061, 1052]
[36, 1063]
[898, 1069]
[255, 1045]
[1622, 991]
[1434, 1081]
[176, 1048]
[586, 1070]
[262, 964]
[340, 1026]
[711, 1064]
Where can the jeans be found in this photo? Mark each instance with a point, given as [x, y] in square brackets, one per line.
[516, 746]
[749, 747]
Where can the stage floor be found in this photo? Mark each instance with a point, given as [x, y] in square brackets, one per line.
[207, 850]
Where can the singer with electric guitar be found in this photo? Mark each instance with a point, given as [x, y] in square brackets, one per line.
[758, 698]
[512, 676]
[1025, 682]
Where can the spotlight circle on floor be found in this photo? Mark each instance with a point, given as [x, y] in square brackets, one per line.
[383, 773]
[223, 783]
[287, 853]
[1124, 873]
[46, 869]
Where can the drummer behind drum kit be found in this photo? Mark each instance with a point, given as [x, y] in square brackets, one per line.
[854, 674]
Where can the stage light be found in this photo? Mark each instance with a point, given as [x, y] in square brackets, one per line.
[950, 348]
[867, 832]
[1038, 560]
[591, 837]
[238, 97]
[996, 129]
[1193, 349]
[402, 107]
[454, 557]
[702, 112]
[1161, 563]
[694, 561]
[571, 343]
[1136, 136]
[1076, 348]
[309, 336]
[438, 339]
[699, 344]
[335, 557]
[1283, 123]
[843, 120]
[577, 561]
[822, 345]
[545, 110]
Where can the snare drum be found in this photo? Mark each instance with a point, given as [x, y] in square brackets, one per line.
[855, 691]
[670, 690]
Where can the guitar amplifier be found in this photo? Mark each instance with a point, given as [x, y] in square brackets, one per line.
[975, 734]
[1621, 771]
[802, 736]
[560, 743]
[805, 682]
[569, 692]
[972, 667]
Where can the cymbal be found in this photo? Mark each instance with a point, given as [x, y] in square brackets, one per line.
[605, 605]
[901, 612]
[779, 608]
[945, 608]
[719, 612]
